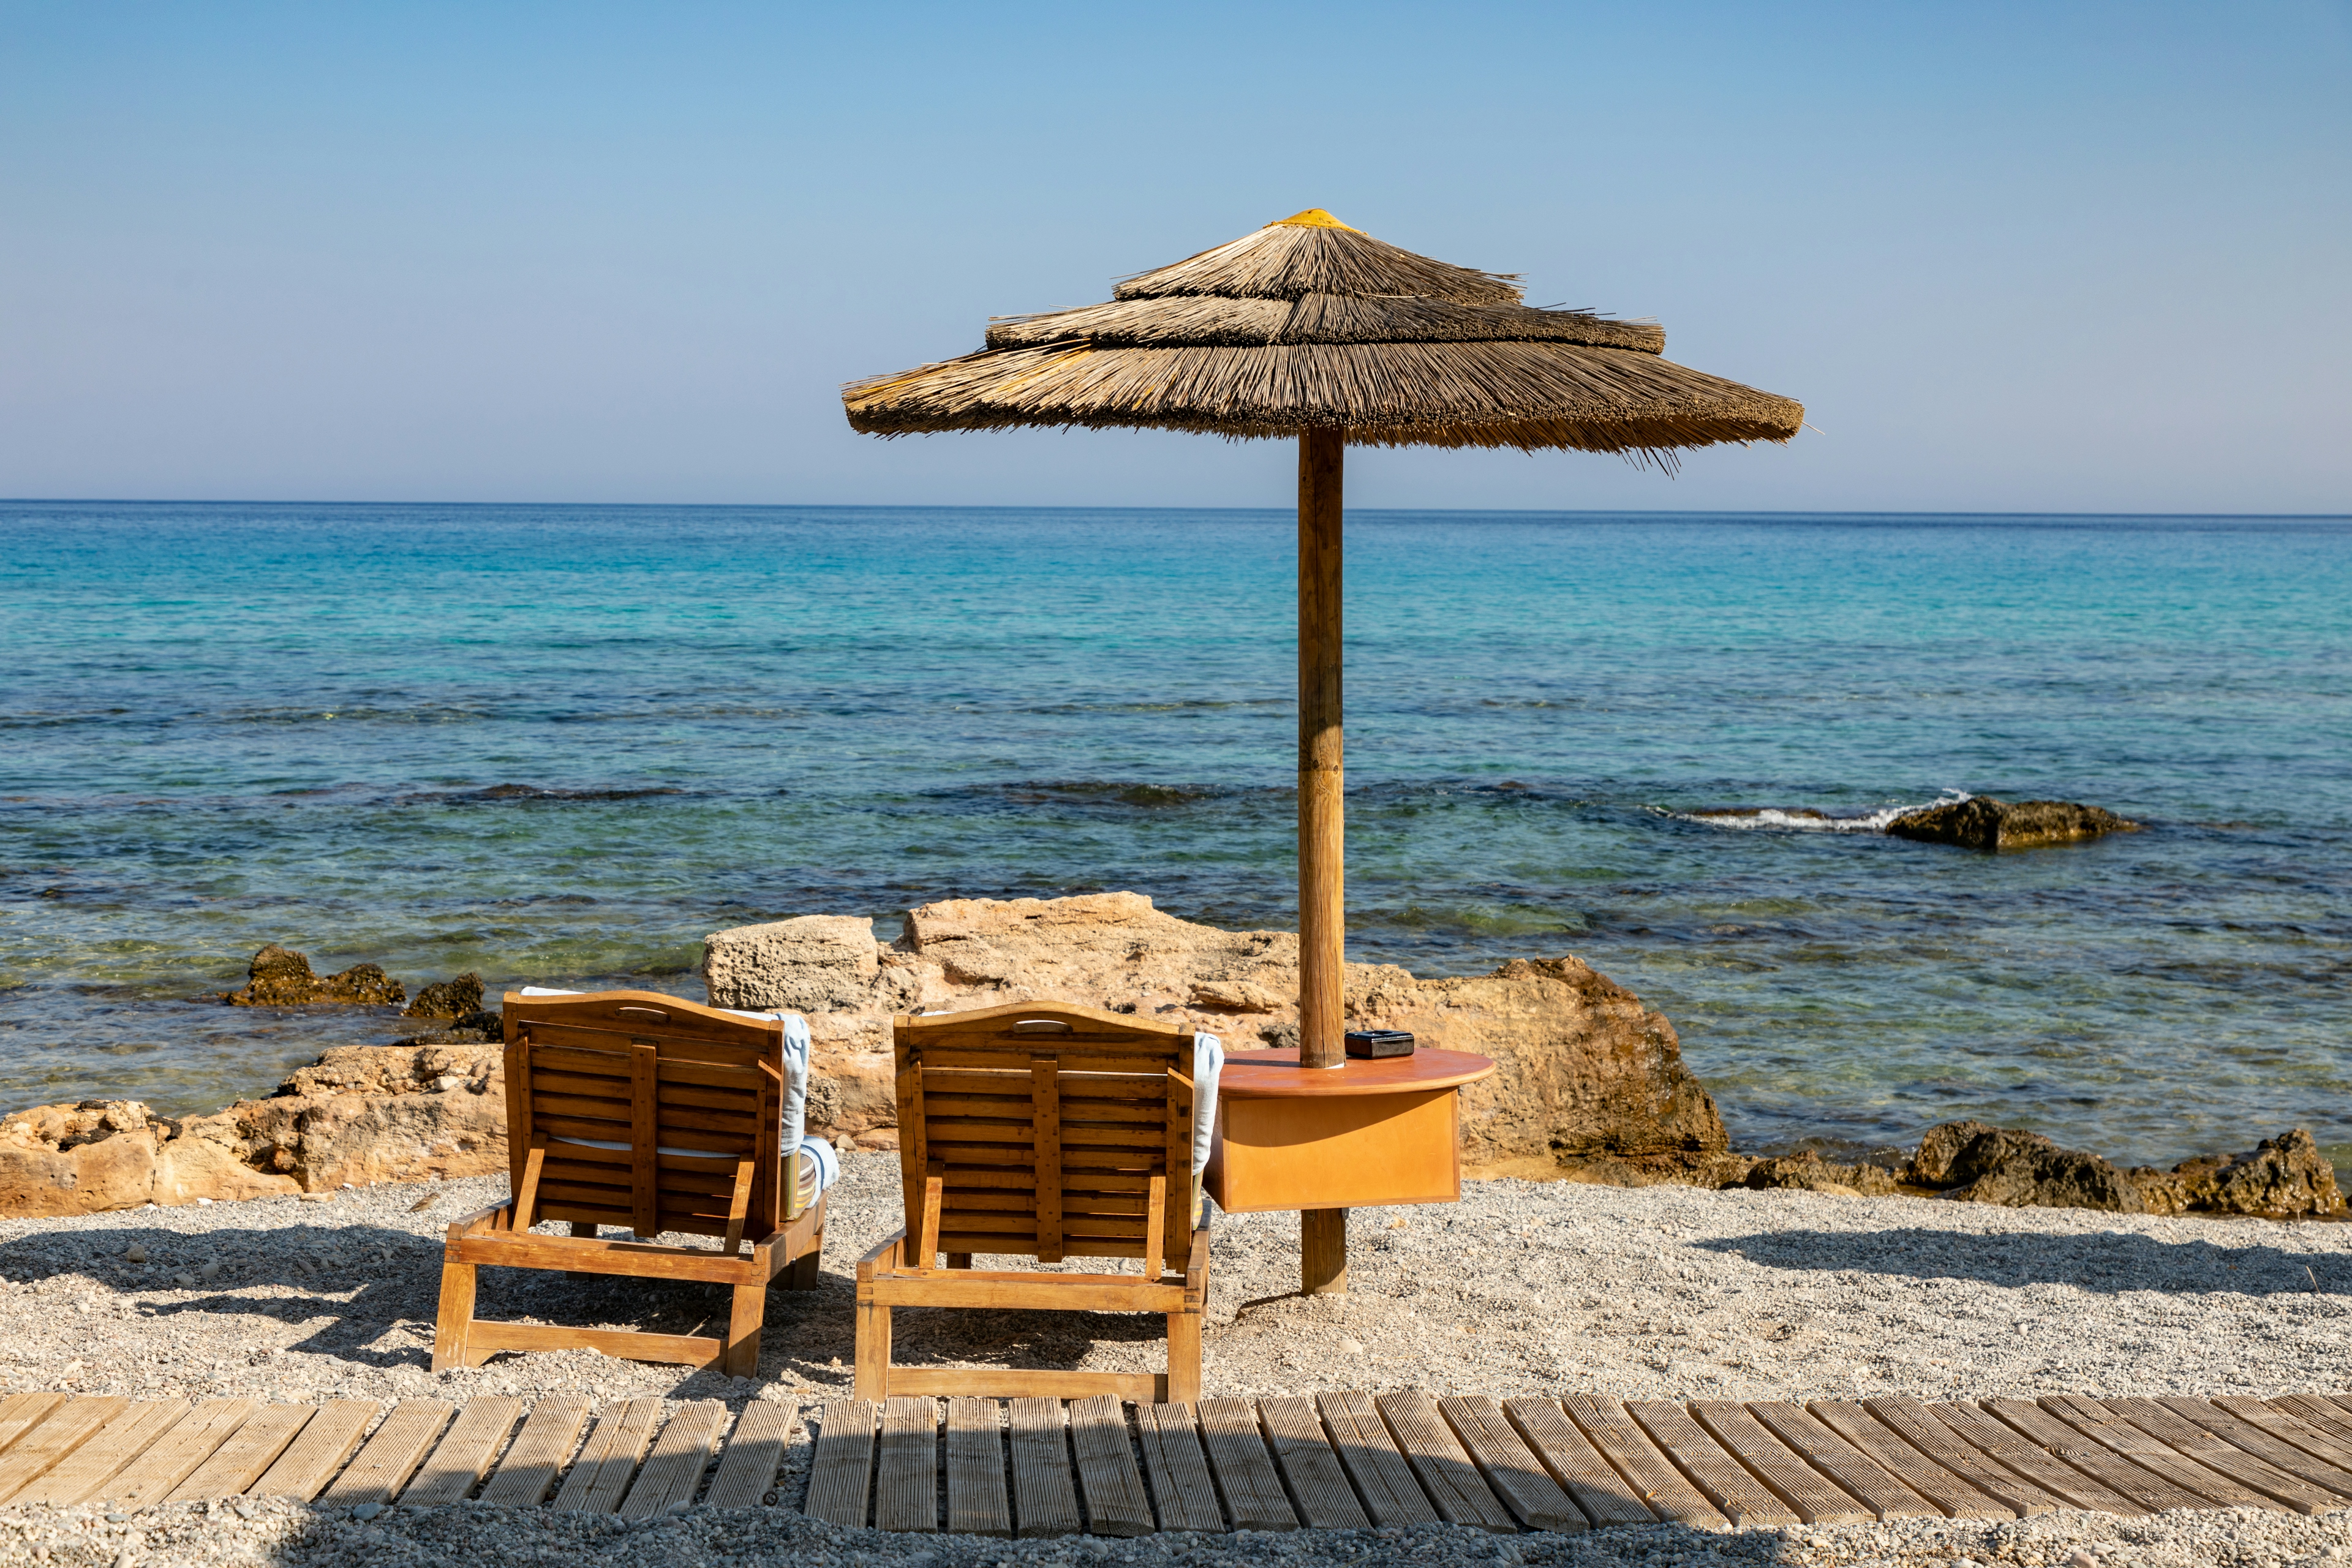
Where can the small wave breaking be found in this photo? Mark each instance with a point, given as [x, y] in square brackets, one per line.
[1807, 819]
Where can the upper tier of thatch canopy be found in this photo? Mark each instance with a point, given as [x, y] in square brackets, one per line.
[1308, 323]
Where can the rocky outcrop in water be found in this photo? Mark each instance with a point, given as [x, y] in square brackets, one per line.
[1972, 1161]
[447, 998]
[1585, 1070]
[2284, 1175]
[280, 977]
[1983, 823]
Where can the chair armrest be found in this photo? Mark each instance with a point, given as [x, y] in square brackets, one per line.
[479, 1220]
[884, 1258]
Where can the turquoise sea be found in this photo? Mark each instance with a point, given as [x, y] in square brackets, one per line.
[561, 744]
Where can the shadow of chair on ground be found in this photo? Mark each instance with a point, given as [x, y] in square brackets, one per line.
[367, 1295]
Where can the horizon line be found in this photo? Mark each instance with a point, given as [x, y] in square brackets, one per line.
[1267, 511]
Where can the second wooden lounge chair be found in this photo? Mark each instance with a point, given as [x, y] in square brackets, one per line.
[632, 1108]
[1052, 1131]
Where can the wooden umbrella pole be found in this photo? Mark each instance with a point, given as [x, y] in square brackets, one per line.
[1322, 858]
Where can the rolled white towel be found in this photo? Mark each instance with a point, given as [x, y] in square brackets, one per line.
[1208, 1062]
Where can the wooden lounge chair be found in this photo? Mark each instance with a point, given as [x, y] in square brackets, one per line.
[1052, 1131]
[631, 1109]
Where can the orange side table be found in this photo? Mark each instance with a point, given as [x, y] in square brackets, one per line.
[1367, 1135]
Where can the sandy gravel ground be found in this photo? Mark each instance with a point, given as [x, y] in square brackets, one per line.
[1523, 1288]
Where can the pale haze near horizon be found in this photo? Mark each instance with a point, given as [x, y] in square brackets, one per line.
[2011, 257]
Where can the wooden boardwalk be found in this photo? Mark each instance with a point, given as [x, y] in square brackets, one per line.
[1335, 1461]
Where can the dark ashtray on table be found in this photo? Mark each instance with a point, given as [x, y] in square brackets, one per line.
[1379, 1043]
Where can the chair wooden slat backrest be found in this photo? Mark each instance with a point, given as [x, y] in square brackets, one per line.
[636, 1109]
[1048, 1128]
[631, 1109]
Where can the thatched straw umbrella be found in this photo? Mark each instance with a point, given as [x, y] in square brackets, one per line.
[1312, 329]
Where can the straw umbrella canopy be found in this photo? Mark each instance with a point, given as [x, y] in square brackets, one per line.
[1311, 329]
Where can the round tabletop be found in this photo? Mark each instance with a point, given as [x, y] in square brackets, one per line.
[1276, 1075]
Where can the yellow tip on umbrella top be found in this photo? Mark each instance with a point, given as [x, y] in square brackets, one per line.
[1315, 218]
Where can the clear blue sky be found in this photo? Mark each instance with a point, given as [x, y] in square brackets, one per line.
[2012, 257]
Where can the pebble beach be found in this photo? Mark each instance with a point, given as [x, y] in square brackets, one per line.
[1524, 1288]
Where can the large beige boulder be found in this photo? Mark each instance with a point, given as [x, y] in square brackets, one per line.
[1584, 1069]
[807, 965]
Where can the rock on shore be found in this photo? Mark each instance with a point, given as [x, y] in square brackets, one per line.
[1585, 1070]
[1983, 823]
[359, 1114]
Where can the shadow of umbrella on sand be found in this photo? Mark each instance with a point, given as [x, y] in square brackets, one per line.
[1312, 329]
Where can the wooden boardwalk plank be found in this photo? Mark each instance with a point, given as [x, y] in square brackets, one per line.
[1445, 1472]
[247, 1455]
[20, 1413]
[79, 1475]
[1383, 1476]
[2193, 1442]
[463, 1457]
[1599, 1492]
[600, 1478]
[65, 1430]
[2266, 1439]
[1743, 1498]
[174, 1457]
[841, 1471]
[1244, 1470]
[1512, 1471]
[755, 1452]
[1183, 1492]
[978, 1503]
[1952, 1494]
[2019, 1454]
[1878, 1489]
[2321, 1414]
[325, 1443]
[1112, 1486]
[1815, 1499]
[1319, 1482]
[2151, 1491]
[2093, 1418]
[1044, 1499]
[1655, 1480]
[907, 1482]
[2312, 1438]
[673, 1471]
[1911, 1422]
[389, 1457]
[527, 1474]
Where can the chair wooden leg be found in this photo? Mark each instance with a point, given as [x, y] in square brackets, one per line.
[456, 1317]
[1183, 1358]
[873, 1350]
[741, 1357]
[800, 1273]
[584, 1227]
[959, 1259]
